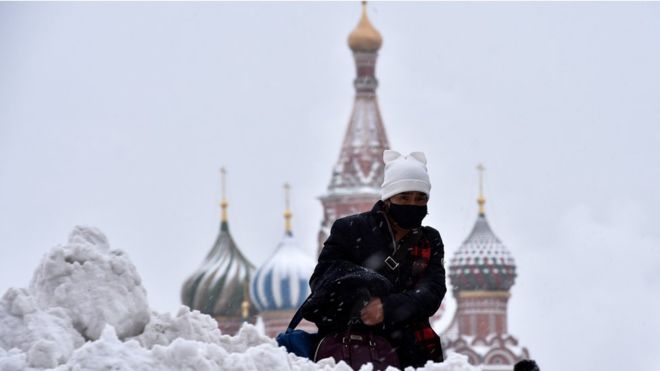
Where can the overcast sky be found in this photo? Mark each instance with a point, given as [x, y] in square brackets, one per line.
[119, 115]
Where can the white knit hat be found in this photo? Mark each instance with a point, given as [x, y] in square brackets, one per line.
[404, 174]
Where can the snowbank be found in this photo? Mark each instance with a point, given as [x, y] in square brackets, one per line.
[87, 310]
[162, 329]
[46, 336]
[96, 285]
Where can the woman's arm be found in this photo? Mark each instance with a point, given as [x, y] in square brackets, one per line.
[330, 305]
[334, 251]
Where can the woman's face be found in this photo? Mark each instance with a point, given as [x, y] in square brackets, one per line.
[410, 198]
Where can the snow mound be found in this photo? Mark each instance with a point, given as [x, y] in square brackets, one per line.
[14, 360]
[110, 353]
[96, 285]
[454, 362]
[162, 329]
[46, 336]
[247, 337]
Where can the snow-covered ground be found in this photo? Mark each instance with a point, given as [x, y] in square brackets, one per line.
[86, 309]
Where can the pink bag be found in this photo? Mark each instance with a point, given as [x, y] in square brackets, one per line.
[357, 348]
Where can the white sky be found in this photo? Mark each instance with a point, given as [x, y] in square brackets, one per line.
[120, 115]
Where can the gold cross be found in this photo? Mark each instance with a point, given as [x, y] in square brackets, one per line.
[287, 188]
[481, 200]
[287, 212]
[223, 189]
[481, 170]
[223, 174]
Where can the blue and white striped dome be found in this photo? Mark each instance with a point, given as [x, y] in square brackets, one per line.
[282, 282]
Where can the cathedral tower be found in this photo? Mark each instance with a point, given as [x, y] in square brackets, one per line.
[358, 174]
[482, 272]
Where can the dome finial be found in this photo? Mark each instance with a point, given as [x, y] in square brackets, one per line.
[245, 305]
[223, 203]
[287, 211]
[481, 200]
[365, 38]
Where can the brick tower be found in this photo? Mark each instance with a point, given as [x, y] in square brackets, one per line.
[482, 272]
[358, 174]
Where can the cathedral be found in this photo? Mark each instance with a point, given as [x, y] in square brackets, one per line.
[481, 272]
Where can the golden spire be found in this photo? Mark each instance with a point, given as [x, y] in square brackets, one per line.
[287, 211]
[365, 38]
[481, 200]
[245, 305]
[223, 203]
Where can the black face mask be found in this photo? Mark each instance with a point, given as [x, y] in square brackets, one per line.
[407, 216]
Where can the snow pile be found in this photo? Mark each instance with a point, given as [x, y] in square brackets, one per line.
[454, 362]
[162, 329]
[87, 310]
[47, 337]
[96, 285]
[232, 354]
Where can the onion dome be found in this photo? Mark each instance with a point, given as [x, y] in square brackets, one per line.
[365, 38]
[219, 287]
[482, 262]
[282, 282]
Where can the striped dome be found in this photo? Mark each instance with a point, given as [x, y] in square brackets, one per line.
[282, 282]
[482, 262]
[219, 286]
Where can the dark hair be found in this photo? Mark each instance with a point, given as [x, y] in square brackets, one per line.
[526, 365]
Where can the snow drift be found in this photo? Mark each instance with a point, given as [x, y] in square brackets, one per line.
[86, 309]
[96, 285]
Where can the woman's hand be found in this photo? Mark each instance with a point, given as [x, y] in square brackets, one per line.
[372, 313]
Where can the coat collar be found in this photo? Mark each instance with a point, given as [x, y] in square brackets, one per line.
[378, 206]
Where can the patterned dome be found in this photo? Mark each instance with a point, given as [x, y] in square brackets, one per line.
[282, 282]
[482, 262]
[220, 285]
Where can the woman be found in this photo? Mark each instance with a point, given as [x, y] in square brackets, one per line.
[383, 269]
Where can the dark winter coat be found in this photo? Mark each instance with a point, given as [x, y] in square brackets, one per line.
[351, 269]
